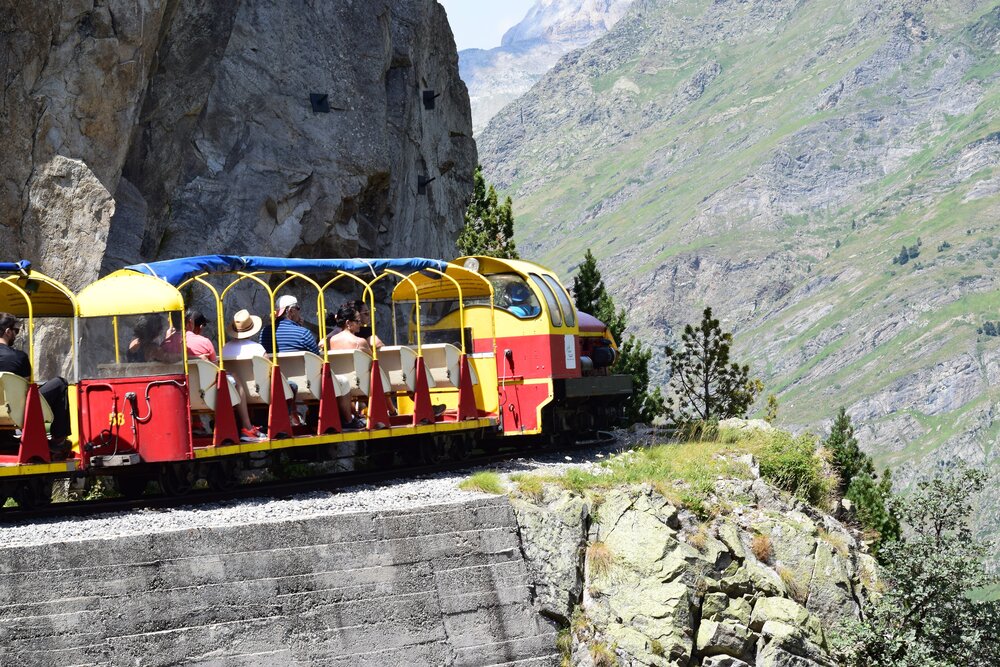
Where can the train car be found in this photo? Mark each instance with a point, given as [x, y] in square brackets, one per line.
[483, 350]
[27, 465]
[550, 362]
[142, 416]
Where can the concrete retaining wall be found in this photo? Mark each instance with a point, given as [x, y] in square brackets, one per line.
[442, 586]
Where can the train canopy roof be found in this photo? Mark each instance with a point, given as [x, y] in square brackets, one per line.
[176, 271]
[49, 297]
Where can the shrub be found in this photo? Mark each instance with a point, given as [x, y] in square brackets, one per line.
[796, 588]
[484, 481]
[600, 560]
[602, 655]
[791, 464]
[762, 548]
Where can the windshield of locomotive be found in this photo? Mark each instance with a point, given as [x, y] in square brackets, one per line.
[145, 344]
[511, 293]
[435, 325]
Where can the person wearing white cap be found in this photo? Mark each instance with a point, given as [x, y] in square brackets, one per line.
[291, 336]
[242, 346]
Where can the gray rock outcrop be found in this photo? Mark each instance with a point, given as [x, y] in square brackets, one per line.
[145, 130]
[653, 584]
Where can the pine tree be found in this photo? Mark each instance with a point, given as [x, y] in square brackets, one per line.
[588, 286]
[704, 384]
[846, 455]
[771, 413]
[489, 225]
[591, 296]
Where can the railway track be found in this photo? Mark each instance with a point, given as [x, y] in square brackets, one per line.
[333, 481]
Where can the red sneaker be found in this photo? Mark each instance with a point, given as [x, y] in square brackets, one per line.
[251, 434]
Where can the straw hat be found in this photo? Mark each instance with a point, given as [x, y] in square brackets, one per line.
[244, 325]
[285, 301]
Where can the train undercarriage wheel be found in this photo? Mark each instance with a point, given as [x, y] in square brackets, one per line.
[176, 479]
[223, 475]
[32, 493]
[132, 486]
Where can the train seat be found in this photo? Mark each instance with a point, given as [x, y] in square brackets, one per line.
[13, 395]
[305, 369]
[202, 377]
[442, 360]
[355, 368]
[255, 374]
[400, 364]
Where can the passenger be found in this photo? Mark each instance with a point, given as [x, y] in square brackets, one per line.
[242, 346]
[349, 322]
[520, 301]
[54, 391]
[197, 344]
[145, 344]
[291, 335]
[364, 316]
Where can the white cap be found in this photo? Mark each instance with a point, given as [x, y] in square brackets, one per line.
[285, 302]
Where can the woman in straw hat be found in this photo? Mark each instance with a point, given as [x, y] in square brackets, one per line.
[241, 345]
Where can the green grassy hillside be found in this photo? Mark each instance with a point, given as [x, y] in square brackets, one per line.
[771, 159]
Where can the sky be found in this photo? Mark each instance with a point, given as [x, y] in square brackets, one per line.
[479, 24]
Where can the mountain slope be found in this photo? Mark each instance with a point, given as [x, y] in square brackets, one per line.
[550, 29]
[771, 159]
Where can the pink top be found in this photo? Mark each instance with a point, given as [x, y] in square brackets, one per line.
[197, 345]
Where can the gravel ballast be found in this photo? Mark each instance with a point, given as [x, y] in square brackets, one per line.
[401, 495]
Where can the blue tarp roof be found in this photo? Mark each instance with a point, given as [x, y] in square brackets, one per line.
[176, 271]
[22, 266]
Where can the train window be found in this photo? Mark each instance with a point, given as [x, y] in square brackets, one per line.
[138, 350]
[550, 300]
[568, 309]
[511, 293]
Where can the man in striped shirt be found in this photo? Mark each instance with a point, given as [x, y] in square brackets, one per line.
[291, 336]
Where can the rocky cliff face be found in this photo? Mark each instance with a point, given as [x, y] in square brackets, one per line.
[635, 577]
[527, 51]
[145, 130]
[771, 159]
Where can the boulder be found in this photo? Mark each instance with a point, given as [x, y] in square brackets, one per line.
[660, 612]
[830, 590]
[552, 537]
[725, 637]
[783, 613]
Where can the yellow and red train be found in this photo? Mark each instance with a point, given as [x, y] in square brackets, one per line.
[484, 351]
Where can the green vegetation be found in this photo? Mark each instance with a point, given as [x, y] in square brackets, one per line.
[926, 615]
[704, 385]
[485, 481]
[791, 463]
[489, 225]
[685, 473]
[859, 483]
[591, 296]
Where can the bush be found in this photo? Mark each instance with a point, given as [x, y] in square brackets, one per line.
[762, 548]
[792, 464]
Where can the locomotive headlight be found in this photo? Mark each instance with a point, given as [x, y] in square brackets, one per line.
[472, 264]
